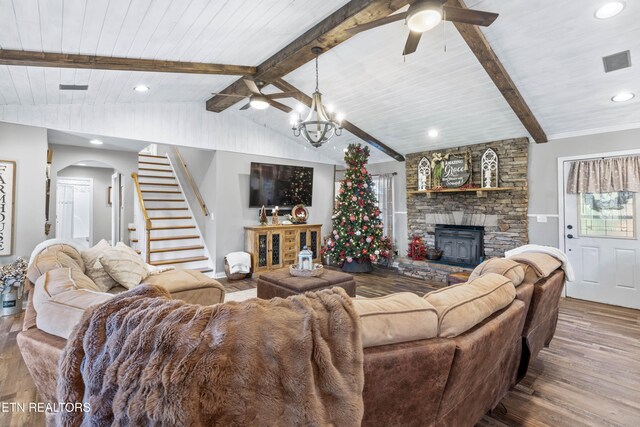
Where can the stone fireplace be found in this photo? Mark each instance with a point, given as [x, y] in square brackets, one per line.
[461, 244]
[501, 214]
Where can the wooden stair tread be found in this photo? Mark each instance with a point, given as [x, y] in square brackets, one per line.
[177, 249]
[167, 209]
[173, 227]
[163, 200]
[166, 218]
[156, 176]
[162, 239]
[159, 183]
[153, 156]
[153, 163]
[155, 169]
[179, 260]
[162, 191]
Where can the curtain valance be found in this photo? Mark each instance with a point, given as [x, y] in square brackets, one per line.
[605, 175]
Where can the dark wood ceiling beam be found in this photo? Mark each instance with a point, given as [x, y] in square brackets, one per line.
[481, 48]
[327, 34]
[64, 60]
[347, 125]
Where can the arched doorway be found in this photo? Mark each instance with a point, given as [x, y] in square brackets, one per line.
[87, 207]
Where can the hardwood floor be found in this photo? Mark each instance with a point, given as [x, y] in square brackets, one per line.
[590, 375]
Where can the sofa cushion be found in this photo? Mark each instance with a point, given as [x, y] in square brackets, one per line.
[94, 269]
[396, 318]
[59, 301]
[124, 265]
[49, 260]
[461, 307]
[540, 265]
[508, 268]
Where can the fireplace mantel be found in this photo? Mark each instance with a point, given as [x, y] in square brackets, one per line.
[480, 192]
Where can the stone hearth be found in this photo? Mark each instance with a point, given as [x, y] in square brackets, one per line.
[428, 270]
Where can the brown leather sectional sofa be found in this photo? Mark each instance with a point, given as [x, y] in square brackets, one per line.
[455, 381]
[56, 272]
[422, 377]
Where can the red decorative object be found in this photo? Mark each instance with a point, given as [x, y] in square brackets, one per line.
[417, 249]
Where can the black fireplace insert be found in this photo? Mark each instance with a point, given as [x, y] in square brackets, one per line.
[461, 244]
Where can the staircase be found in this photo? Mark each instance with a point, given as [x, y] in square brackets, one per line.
[169, 235]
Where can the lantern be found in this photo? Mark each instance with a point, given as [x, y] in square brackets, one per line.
[305, 259]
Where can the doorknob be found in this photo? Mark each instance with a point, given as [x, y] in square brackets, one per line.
[569, 236]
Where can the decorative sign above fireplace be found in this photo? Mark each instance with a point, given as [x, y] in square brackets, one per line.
[450, 171]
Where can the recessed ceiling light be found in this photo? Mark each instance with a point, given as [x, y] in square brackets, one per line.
[96, 142]
[433, 133]
[609, 9]
[623, 97]
[141, 88]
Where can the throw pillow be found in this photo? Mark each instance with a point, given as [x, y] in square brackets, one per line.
[95, 271]
[124, 265]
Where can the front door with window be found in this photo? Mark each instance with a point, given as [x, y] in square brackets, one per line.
[601, 241]
[74, 212]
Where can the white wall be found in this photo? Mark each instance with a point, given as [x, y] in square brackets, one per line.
[101, 178]
[124, 162]
[181, 124]
[543, 174]
[27, 146]
[399, 200]
[229, 199]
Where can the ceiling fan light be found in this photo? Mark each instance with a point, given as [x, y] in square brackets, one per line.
[424, 16]
[259, 102]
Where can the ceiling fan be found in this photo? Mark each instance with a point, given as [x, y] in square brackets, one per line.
[257, 99]
[424, 15]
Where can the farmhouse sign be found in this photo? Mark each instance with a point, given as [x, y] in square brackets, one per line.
[450, 171]
[7, 197]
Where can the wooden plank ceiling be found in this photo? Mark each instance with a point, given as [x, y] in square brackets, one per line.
[552, 53]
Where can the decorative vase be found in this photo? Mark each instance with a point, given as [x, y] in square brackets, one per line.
[355, 266]
[11, 304]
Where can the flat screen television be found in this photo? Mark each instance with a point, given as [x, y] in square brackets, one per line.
[280, 185]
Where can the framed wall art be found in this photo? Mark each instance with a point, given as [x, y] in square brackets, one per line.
[7, 202]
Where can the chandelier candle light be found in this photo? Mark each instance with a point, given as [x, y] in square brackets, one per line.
[320, 125]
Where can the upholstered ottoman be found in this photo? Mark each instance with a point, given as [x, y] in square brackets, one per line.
[280, 283]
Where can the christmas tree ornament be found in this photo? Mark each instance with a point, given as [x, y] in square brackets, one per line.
[263, 216]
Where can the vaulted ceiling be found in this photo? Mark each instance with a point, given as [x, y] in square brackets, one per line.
[551, 49]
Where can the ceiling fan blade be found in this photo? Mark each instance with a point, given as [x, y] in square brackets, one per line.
[281, 107]
[246, 106]
[253, 87]
[469, 16]
[283, 95]
[412, 42]
[233, 95]
[383, 21]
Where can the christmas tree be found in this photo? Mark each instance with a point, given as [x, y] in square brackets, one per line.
[357, 228]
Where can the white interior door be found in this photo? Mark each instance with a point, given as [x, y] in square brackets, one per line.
[74, 210]
[601, 241]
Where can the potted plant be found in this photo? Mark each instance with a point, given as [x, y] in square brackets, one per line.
[12, 285]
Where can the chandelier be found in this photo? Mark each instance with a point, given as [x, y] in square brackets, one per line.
[320, 125]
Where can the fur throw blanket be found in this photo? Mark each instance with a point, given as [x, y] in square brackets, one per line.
[144, 359]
